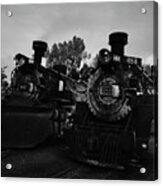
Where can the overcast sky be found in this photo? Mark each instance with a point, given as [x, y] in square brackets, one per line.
[93, 22]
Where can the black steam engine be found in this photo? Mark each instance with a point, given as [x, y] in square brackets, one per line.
[112, 122]
[105, 120]
[37, 103]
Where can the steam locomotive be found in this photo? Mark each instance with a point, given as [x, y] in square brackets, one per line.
[112, 123]
[105, 120]
[37, 103]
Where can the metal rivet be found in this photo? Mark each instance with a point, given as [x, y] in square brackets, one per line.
[8, 166]
[143, 170]
[9, 13]
[144, 145]
[143, 11]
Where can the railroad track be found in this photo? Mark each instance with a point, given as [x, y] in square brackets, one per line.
[52, 162]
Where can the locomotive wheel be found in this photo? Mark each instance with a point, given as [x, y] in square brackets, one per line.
[106, 98]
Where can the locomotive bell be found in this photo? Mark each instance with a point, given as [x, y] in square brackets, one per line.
[39, 47]
[104, 56]
[20, 59]
[118, 40]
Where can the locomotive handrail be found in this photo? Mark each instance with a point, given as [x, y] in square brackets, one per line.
[71, 83]
[144, 74]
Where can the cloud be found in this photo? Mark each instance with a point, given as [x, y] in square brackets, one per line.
[149, 60]
[90, 21]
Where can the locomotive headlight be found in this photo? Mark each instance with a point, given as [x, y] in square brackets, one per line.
[105, 56]
[115, 91]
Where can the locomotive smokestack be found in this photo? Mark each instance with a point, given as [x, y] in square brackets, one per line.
[118, 40]
[39, 48]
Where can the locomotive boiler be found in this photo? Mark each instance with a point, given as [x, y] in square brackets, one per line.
[112, 121]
